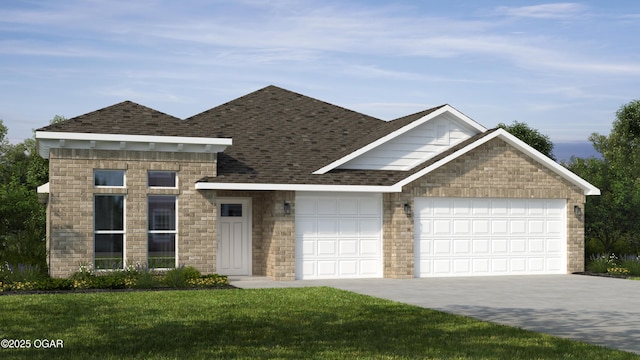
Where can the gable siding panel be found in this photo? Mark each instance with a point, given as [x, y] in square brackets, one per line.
[414, 147]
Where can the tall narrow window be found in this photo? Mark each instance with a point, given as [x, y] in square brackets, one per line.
[162, 231]
[108, 231]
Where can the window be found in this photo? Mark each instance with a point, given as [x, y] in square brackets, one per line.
[162, 179]
[162, 231]
[231, 210]
[113, 178]
[108, 231]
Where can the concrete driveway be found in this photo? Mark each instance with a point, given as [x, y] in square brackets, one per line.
[597, 310]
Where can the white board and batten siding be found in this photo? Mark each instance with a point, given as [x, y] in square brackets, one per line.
[415, 146]
[479, 237]
[338, 235]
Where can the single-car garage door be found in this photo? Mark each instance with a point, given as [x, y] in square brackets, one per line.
[478, 236]
[338, 235]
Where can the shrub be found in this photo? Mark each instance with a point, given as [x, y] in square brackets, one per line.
[631, 263]
[20, 273]
[190, 272]
[176, 278]
[601, 263]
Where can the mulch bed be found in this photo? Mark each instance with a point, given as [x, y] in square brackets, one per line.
[603, 275]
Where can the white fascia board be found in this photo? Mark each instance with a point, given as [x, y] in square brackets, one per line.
[43, 189]
[447, 108]
[133, 138]
[588, 188]
[52, 139]
[297, 187]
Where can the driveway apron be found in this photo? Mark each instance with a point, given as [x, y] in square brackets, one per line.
[597, 310]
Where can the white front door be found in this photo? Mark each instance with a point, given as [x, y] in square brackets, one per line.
[234, 236]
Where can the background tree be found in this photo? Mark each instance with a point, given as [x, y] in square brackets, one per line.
[613, 218]
[531, 136]
[22, 217]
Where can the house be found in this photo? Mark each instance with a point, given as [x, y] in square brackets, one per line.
[278, 184]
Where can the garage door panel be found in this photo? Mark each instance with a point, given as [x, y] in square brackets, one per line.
[506, 236]
[348, 247]
[462, 266]
[480, 246]
[309, 248]
[338, 235]
[441, 226]
[348, 207]
[348, 227]
[499, 246]
[347, 268]
[442, 247]
[327, 227]
[327, 206]
[327, 247]
[462, 227]
[369, 247]
[442, 266]
[327, 268]
[518, 245]
[481, 227]
[369, 267]
[369, 227]
[306, 227]
[462, 246]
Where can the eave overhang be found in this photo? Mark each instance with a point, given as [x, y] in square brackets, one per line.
[48, 140]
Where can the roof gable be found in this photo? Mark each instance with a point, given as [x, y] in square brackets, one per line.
[563, 172]
[419, 138]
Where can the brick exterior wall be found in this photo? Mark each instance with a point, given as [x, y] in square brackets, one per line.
[70, 209]
[493, 170]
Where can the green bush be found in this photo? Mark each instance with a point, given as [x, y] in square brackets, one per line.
[601, 263]
[49, 284]
[176, 278]
[631, 263]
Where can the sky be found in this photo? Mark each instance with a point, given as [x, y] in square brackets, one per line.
[563, 68]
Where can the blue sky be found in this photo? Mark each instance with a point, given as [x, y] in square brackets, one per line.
[563, 68]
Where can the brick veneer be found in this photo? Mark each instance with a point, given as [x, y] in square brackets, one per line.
[493, 170]
[70, 209]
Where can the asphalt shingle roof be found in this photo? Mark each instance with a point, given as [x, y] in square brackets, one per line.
[279, 136]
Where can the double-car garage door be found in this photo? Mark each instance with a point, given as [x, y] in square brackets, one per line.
[471, 237]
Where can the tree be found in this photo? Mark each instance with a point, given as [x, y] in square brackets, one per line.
[22, 217]
[531, 136]
[613, 218]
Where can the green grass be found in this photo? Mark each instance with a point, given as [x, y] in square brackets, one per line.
[320, 323]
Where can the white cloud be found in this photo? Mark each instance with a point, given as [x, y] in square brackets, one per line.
[555, 11]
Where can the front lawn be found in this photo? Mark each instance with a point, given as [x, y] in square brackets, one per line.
[298, 323]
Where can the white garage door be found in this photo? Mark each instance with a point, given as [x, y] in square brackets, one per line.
[471, 237]
[338, 235]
